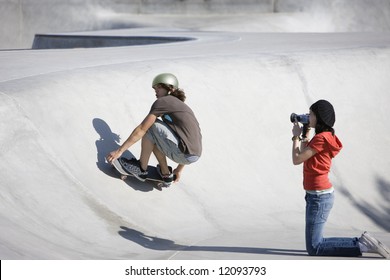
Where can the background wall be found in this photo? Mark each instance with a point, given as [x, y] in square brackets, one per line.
[20, 20]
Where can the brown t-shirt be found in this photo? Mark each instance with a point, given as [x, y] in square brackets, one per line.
[181, 119]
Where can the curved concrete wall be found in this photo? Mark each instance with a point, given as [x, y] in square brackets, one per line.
[93, 41]
[62, 111]
[22, 19]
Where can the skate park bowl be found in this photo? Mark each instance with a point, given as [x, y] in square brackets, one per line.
[245, 68]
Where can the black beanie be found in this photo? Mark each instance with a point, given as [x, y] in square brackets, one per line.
[324, 112]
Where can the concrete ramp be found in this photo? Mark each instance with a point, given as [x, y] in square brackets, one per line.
[21, 20]
[62, 111]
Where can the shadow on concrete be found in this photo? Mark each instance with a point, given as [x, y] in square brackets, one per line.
[108, 142]
[53, 41]
[161, 244]
[379, 213]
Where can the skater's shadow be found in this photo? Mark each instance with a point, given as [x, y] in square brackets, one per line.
[108, 142]
[160, 244]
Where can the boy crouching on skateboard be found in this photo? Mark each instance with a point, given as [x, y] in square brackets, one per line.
[176, 135]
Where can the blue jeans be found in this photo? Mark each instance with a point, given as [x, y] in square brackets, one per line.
[317, 211]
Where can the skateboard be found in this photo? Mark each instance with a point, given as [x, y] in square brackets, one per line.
[153, 174]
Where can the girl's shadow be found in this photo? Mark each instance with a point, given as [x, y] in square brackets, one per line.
[107, 143]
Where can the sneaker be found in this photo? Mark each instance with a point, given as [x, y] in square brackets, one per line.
[133, 167]
[374, 246]
[168, 179]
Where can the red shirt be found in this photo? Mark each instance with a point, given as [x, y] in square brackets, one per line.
[316, 168]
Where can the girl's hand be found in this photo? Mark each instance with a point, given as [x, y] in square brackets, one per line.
[297, 130]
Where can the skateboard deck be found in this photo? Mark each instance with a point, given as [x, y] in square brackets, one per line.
[153, 174]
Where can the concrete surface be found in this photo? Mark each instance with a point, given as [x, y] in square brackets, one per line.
[63, 110]
[22, 19]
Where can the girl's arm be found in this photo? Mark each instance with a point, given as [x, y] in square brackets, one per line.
[300, 152]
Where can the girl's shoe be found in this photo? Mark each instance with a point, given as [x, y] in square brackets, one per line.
[374, 246]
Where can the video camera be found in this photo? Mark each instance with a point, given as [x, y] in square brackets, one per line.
[303, 119]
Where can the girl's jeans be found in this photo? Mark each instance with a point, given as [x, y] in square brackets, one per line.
[317, 211]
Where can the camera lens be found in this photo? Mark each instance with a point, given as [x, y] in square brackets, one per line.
[303, 119]
[293, 117]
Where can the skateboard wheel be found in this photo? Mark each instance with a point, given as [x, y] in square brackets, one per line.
[123, 177]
